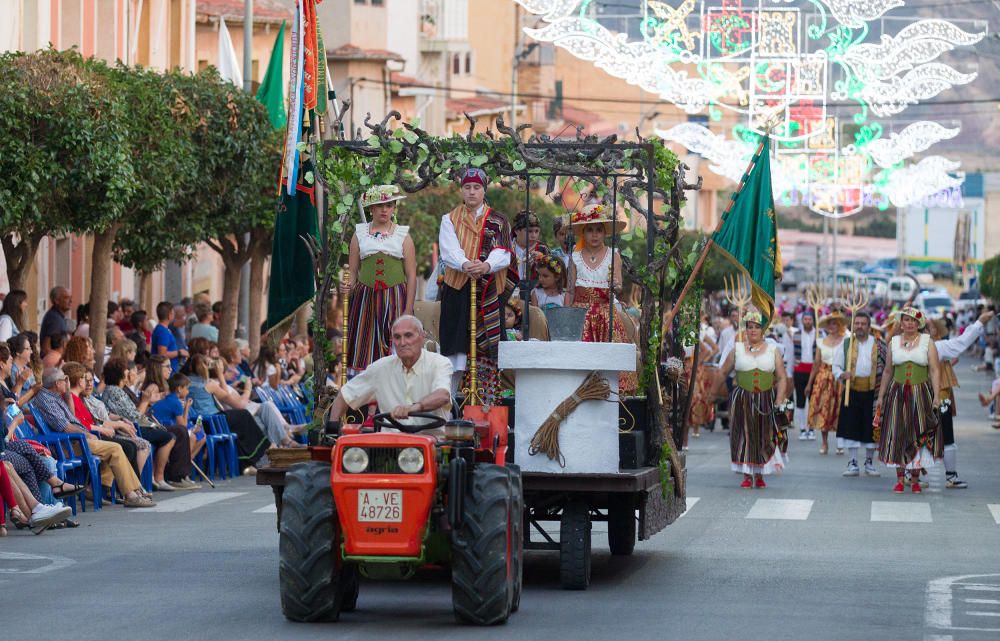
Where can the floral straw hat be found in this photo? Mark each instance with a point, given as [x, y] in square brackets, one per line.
[381, 194]
[913, 313]
[597, 213]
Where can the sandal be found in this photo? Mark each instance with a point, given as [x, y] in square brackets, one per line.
[17, 518]
[60, 491]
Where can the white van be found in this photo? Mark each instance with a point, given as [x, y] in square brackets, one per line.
[901, 288]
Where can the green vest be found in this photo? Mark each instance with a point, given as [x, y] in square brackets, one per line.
[381, 271]
[755, 380]
[910, 373]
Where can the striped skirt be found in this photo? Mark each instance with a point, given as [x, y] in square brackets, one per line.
[753, 435]
[911, 429]
[824, 400]
[370, 316]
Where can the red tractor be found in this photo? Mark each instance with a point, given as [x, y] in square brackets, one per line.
[383, 504]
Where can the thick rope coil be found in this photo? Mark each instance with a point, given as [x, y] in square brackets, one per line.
[546, 439]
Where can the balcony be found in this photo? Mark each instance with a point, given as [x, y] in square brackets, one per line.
[443, 24]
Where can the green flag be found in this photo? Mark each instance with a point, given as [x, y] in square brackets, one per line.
[292, 271]
[271, 90]
[748, 235]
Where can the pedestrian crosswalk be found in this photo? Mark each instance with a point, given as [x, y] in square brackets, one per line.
[903, 510]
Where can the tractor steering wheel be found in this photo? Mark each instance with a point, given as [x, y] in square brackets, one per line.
[386, 420]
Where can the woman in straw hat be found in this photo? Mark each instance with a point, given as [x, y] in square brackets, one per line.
[755, 442]
[383, 278]
[906, 414]
[823, 391]
[590, 280]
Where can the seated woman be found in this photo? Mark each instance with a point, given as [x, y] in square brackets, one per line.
[208, 397]
[117, 376]
[266, 413]
[590, 281]
[19, 500]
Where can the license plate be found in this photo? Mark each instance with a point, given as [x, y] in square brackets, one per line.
[380, 505]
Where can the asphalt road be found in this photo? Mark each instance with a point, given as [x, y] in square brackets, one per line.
[814, 556]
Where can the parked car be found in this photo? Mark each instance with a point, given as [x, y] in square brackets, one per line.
[935, 303]
[887, 264]
[943, 271]
[970, 298]
[851, 265]
[791, 277]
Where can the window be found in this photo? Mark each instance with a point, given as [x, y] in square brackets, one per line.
[360, 2]
[456, 64]
[468, 63]
[378, 3]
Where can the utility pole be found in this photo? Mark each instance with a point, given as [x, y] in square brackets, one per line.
[513, 70]
[836, 225]
[243, 317]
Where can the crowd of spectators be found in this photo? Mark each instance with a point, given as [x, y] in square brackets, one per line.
[141, 408]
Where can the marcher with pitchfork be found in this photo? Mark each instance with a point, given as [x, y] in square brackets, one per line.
[761, 387]
[859, 366]
[908, 401]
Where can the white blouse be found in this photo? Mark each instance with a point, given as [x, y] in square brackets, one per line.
[391, 244]
[544, 300]
[596, 278]
[827, 352]
[762, 360]
[919, 355]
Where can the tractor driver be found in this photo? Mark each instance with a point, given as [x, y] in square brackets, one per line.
[412, 380]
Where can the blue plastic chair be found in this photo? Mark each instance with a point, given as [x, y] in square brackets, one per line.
[221, 446]
[69, 467]
[79, 457]
[146, 474]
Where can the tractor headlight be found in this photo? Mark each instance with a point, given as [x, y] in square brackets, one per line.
[411, 460]
[355, 460]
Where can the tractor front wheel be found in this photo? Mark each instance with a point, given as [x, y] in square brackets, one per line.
[309, 571]
[482, 549]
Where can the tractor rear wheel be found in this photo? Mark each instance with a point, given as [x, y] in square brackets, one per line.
[621, 524]
[574, 546]
[517, 535]
[482, 559]
[309, 571]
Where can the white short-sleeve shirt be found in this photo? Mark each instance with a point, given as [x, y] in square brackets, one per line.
[390, 384]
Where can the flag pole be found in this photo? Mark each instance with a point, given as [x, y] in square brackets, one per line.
[708, 246]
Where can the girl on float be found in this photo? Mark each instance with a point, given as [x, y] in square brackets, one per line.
[761, 385]
[551, 284]
[383, 278]
[590, 284]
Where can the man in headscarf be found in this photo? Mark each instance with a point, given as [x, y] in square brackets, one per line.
[475, 243]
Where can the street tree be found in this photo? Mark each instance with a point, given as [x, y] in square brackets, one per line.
[232, 210]
[161, 150]
[63, 164]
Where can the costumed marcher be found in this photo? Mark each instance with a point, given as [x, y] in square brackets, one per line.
[383, 278]
[703, 400]
[804, 342]
[949, 350]
[862, 369]
[590, 279]
[822, 389]
[551, 290]
[475, 242]
[906, 415]
[761, 385]
[512, 320]
[729, 325]
[528, 251]
[562, 249]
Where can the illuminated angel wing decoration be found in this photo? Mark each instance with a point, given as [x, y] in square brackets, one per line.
[930, 176]
[913, 139]
[855, 13]
[638, 63]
